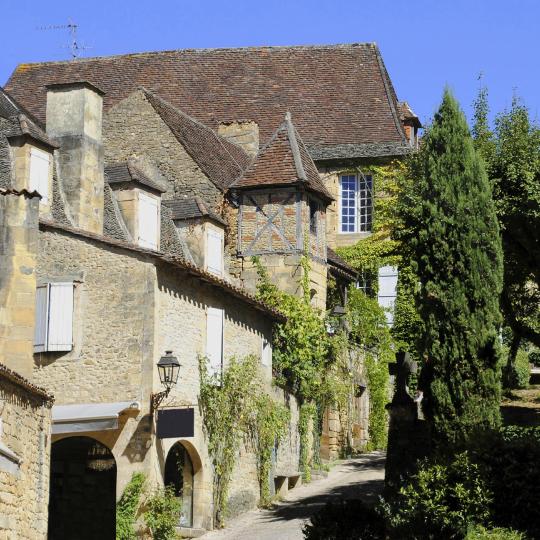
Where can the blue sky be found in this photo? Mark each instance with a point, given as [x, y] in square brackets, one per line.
[426, 44]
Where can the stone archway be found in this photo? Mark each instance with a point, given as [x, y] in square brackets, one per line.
[180, 475]
[82, 499]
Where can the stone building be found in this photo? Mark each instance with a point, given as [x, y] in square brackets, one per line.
[162, 175]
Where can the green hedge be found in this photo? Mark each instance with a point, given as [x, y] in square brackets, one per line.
[517, 375]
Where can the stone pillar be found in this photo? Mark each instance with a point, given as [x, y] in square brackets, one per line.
[74, 121]
[408, 435]
[19, 214]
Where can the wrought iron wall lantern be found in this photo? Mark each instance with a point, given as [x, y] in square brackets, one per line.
[168, 370]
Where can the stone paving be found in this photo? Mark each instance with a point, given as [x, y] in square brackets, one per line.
[361, 477]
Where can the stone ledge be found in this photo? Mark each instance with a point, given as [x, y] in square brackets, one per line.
[190, 532]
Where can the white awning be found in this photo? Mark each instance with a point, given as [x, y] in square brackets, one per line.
[82, 417]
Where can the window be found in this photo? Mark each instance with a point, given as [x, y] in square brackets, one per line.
[214, 340]
[386, 296]
[39, 173]
[148, 221]
[313, 211]
[356, 203]
[266, 353]
[412, 136]
[54, 317]
[214, 251]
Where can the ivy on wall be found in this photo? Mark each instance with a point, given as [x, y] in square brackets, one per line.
[236, 408]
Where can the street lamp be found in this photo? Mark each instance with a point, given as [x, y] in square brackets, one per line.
[168, 370]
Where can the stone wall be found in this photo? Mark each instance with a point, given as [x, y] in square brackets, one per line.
[25, 421]
[129, 309]
[18, 247]
[133, 128]
[244, 134]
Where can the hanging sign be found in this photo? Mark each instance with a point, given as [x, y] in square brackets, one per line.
[175, 423]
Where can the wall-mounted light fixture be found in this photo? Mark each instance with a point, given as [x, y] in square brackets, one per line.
[168, 370]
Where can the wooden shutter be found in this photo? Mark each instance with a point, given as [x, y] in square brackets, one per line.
[148, 221]
[60, 332]
[388, 278]
[266, 355]
[39, 173]
[42, 318]
[214, 252]
[214, 340]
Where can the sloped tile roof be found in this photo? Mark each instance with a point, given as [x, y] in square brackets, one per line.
[20, 121]
[340, 264]
[191, 208]
[221, 160]
[120, 173]
[283, 161]
[340, 95]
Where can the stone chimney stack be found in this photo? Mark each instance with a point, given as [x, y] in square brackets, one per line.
[19, 215]
[74, 121]
[243, 133]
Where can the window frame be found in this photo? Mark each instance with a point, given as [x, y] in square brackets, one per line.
[358, 203]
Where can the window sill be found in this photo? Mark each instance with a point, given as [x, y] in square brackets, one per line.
[347, 239]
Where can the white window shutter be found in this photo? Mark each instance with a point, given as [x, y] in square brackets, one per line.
[60, 317]
[42, 318]
[148, 221]
[39, 173]
[266, 354]
[214, 340]
[388, 278]
[214, 252]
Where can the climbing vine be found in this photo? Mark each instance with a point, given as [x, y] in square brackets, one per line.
[127, 506]
[235, 409]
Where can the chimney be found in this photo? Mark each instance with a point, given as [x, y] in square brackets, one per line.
[74, 121]
[19, 214]
[243, 133]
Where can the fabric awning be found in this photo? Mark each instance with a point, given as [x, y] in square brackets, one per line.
[81, 417]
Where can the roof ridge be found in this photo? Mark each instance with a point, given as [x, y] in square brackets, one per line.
[291, 132]
[202, 50]
[390, 94]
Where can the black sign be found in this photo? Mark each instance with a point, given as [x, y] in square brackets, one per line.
[174, 423]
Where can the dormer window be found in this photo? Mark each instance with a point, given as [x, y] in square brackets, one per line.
[214, 251]
[148, 221]
[39, 173]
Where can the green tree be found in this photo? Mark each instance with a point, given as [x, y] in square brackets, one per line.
[512, 154]
[452, 234]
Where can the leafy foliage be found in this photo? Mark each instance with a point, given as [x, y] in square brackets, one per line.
[517, 374]
[162, 511]
[510, 464]
[237, 408]
[512, 154]
[345, 520]
[451, 231]
[367, 323]
[127, 506]
[441, 501]
[481, 533]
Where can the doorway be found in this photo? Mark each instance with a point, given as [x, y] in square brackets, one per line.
[82, 499]
[179, 475]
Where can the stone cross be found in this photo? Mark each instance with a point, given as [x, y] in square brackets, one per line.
[401, 369]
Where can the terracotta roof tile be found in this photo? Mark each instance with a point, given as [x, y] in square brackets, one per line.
[191, 208]
[120, 173]
[283, 161]
[339, 95]
[221, 160]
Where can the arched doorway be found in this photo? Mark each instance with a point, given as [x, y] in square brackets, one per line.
[82, 499]
[179, 475]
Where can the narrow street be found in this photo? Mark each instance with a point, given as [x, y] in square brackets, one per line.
[354, 478]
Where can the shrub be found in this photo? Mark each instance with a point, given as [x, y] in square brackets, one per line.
[518, 374]
[510, 462]
[440, 501]
[481, 533]
[534, 357]
[127, 506]
[345, 520]
[162, 513]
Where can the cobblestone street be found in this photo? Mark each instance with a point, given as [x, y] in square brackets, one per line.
[354, 478]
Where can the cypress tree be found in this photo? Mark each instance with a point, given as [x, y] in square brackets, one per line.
[451, 231]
